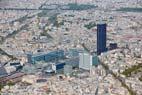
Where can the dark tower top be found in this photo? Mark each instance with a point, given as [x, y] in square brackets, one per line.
[101, 38]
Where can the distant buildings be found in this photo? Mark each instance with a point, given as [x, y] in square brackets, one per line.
[10, 68]
[101, 38]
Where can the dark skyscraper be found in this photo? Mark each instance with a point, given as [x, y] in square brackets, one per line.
[101, 38]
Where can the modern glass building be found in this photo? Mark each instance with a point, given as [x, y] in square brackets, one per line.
[73, 52]
[101, 38]
[95, 60]
[47, 57]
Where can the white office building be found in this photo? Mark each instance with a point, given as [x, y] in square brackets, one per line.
[85, 61]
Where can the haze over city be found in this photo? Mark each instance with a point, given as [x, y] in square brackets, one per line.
[70, 47]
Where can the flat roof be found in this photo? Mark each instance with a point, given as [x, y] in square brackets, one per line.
[2, 72]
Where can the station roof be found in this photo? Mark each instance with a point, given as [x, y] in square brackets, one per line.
[2, 72]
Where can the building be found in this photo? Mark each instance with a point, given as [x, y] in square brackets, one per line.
[71, 53]
[47, 57]
[85, 61]
[74, 62]
[101, 38]
[112, 46]
[52, 67]
[29, 57]
[3, 72]
[60, 65]
[68, 69]
[95, 60]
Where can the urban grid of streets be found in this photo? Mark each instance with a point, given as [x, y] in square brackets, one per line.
[48, 25]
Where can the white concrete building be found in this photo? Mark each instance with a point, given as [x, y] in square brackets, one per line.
[85, 61]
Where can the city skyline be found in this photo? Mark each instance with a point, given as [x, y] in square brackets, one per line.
[70, 47]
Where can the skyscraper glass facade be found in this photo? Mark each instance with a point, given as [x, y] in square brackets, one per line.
[101, 38]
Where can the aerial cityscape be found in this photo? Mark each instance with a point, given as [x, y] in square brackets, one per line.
[70, 47]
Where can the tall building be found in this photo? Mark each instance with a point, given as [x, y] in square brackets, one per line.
[101, 38]
[86, 61]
